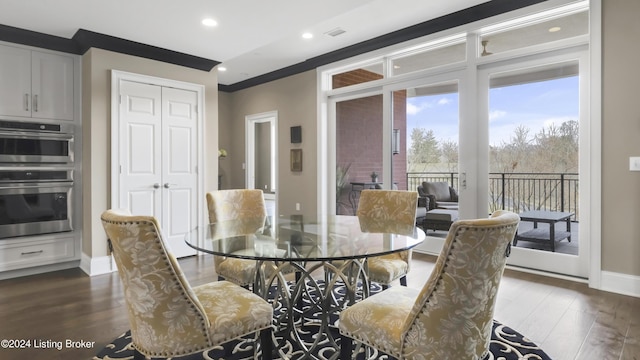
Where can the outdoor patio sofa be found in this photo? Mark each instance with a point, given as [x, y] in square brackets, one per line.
[440, 204]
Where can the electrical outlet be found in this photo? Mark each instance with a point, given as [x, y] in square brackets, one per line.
[634, 163]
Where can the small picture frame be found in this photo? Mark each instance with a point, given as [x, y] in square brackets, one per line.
[296, 134]
[296, 159]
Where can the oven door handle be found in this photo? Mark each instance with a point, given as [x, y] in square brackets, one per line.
[35, 136]
[35, 185]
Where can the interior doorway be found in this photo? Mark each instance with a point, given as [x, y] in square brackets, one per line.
[261, 154]
[155, 141]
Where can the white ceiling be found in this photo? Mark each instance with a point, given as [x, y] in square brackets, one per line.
[253, 37]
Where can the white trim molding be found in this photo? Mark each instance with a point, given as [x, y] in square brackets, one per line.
[98, 265]
[620, 283]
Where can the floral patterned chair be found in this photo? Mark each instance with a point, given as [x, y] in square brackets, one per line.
[451, 317]
[396, 208]
[168, 317]
[235, 204]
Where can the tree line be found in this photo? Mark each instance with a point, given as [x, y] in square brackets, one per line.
[553, 149]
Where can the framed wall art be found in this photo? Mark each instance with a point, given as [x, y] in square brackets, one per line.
[296, 134]
[296, 159]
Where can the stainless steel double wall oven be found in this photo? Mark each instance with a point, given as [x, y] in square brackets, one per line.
[36, 178]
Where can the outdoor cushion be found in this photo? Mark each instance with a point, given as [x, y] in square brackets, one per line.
[439, 189]
[442, 215]
[450, 205]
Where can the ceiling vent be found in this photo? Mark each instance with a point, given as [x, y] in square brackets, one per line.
[335, 32]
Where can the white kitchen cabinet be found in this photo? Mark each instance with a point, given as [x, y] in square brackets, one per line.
[37, 251]
[42, 86]
[36, 84]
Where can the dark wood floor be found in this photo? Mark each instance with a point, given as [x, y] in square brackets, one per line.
[569, 320]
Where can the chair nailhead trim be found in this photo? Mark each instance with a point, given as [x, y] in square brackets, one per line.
[384, 349]
[203, 323]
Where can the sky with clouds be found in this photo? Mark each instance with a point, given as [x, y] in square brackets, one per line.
[534, 105]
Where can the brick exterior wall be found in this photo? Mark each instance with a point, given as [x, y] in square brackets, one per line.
[359, 135]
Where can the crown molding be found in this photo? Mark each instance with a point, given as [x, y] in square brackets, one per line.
[38, 39]
[83, 40]
[86, 39]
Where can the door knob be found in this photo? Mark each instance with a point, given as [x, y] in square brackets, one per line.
[167, 185]
[156, 186]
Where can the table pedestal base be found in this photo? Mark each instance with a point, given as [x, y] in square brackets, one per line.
[309, 305]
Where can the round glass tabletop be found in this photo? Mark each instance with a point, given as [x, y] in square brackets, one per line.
[297, 237]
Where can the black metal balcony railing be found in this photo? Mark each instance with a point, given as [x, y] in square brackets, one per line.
[519, 192]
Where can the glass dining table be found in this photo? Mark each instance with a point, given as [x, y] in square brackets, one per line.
[328, 256]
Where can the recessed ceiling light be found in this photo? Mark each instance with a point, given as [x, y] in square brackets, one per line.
[307, 35]
[209, 22]
[555, 29]
[222, 68]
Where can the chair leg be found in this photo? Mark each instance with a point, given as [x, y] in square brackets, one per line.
[403, 280]
[346, 347]
[300, 302]
[266, 343]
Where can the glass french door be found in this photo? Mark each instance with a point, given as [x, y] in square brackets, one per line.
[534, 113]
[358, 149]
[424, 135]
[398, 137]
[506, 135]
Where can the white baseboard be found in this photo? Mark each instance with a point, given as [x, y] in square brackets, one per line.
[620, 283]
[97, 265]
[431, 245]
[609, 281]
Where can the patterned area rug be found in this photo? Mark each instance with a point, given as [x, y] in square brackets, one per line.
[506, 344]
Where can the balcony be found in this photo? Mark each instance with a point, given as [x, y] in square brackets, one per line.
[520, 192]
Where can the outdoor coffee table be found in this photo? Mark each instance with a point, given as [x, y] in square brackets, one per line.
[550, 235]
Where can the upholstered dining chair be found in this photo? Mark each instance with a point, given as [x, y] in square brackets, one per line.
[398, 209]
[168, 317]
[235, 204]
[451, 317]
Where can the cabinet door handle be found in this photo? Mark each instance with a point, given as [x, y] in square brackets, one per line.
[32, 252]
[26, 102]
[35, 103]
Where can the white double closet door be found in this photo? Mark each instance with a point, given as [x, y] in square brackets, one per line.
[158, 158]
